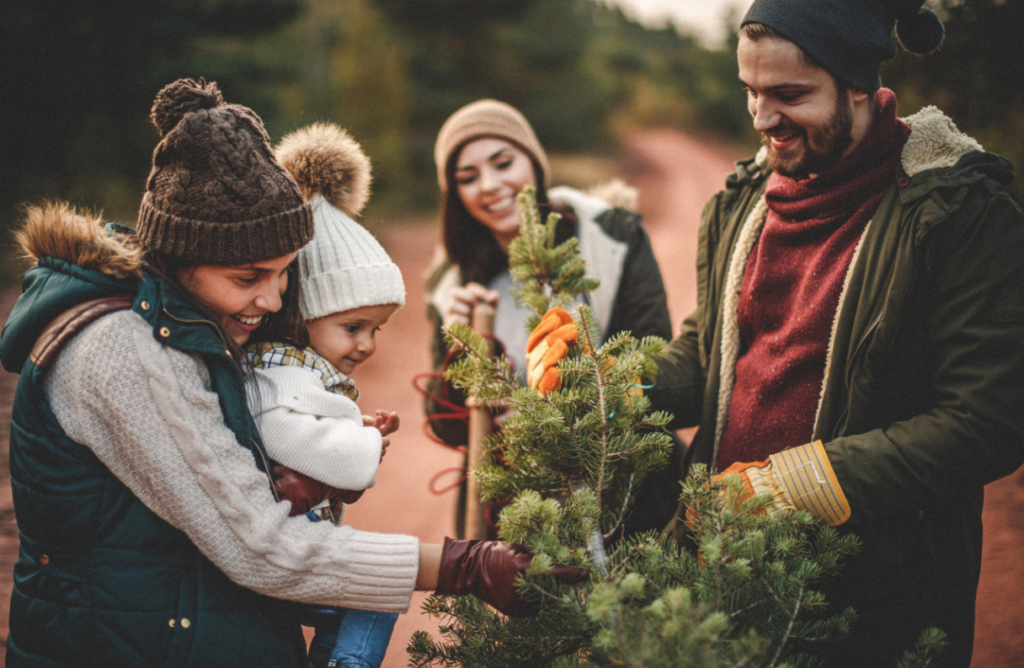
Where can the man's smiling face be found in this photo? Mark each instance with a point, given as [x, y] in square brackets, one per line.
[805, 119]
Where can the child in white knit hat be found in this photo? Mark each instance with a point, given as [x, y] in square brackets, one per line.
[302, 398]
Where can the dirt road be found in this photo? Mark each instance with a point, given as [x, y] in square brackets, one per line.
[675, 175]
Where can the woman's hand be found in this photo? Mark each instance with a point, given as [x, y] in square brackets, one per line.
[489, 569]
[463, 299]
[305, 492]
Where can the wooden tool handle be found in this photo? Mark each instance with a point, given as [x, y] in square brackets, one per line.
[479, 429]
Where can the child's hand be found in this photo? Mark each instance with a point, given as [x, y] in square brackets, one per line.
[387, 422]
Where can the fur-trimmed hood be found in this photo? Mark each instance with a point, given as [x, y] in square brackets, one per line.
[74, 260]
[61, 231]
[934, 142]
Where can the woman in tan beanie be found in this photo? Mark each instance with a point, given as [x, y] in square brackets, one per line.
[486, 152]
[152, 532]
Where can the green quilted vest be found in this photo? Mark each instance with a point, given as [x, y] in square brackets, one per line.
[101, 580]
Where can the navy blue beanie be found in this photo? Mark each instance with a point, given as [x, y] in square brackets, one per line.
[851, 38]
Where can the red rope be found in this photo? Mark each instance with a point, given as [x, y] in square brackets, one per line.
[456, 412]
[432, 485]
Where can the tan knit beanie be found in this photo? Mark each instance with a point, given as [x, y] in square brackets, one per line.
[487, 118]
[216, 194]
[344, 266]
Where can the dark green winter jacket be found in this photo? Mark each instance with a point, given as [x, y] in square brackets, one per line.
[921, 403]
[101, 580]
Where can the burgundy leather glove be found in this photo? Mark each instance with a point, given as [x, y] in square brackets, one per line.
[488, 569]
[305, 492]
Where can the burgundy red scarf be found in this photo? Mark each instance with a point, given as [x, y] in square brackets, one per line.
[791, 288]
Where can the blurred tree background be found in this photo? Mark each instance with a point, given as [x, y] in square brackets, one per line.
[79, 77]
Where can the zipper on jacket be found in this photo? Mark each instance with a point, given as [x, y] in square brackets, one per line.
[263, 460]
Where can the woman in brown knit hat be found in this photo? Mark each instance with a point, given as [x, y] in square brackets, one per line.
[486, 152]
[151, 528]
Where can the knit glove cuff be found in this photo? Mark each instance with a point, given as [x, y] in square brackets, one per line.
[806, 477]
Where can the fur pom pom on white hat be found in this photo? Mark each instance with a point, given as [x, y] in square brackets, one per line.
[344, 266]
[323, 159]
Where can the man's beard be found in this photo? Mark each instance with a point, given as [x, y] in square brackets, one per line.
[821, 149]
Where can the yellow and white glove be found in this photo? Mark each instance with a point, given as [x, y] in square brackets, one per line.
[798, 478]
[548, 344]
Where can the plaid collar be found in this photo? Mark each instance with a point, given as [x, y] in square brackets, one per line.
[268, 354]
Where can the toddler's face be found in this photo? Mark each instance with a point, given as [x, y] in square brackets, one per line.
[348, 338]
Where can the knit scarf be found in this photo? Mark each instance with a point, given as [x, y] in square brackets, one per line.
[791, 288]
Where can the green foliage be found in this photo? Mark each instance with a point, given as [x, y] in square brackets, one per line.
[86, 73]
[595, 431]
[748, 595]
[926, 652]
[747, 598]
[547, 275]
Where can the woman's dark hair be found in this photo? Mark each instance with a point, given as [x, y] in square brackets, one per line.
[469, 244]
[286, 325]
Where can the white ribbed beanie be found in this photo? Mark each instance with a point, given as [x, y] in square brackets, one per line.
[344, 266]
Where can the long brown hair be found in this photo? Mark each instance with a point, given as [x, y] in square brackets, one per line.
[468, 243]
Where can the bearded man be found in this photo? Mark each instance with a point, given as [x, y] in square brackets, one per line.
[858, 344]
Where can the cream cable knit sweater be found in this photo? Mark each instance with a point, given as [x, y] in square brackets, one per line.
[148, 414]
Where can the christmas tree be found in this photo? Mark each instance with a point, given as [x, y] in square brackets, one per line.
[567, 461]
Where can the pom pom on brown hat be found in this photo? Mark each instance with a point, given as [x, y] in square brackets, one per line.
[216, 194]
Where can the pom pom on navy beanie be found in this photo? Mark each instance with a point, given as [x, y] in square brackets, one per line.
[851, 38]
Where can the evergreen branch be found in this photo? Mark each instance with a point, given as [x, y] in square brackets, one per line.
[792, 618]
[625, 505]
[602, 407]
[630, 555]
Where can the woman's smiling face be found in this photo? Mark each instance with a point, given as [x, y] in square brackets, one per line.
[239, 295]
[489, 173]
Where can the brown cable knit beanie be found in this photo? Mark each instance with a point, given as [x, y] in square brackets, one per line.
[486, 118]
[216, 194]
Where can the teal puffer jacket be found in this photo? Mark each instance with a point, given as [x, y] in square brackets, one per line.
[101, 580]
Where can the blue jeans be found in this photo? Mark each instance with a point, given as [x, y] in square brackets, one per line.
[349, 638]
[345, 637]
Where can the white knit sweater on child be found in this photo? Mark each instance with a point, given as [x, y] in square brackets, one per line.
[314, 431]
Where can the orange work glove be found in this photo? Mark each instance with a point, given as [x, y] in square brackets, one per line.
[798, 478]
[548, 344]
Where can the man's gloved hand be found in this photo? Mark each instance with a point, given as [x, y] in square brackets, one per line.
[305, 493]
[488, 569]
[548, 344]
[798, 478]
